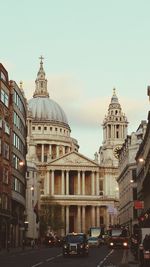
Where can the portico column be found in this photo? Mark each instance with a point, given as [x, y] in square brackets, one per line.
[62, 183]
[93, 184]
[63, 219]
[97, 216]
[83, 219]
[67, 182]
[57, 151]
[83, 183]
[63, 148]
[67, 219]
[78, 219]
[97, 184]
[52, 183]
[47, 183]
[107, 217]
[42, 153]
[79, 189]
[93, 215]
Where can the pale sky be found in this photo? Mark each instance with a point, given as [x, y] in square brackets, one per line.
[89, 47]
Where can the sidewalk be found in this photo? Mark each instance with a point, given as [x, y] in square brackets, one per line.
[131, 260]
[14, 250]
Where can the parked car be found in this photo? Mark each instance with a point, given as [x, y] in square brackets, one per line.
[75, 244]
[93, 241]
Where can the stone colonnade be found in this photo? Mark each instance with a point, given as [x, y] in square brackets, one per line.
[79, 218]
[64, 183]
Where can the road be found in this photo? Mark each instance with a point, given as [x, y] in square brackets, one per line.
[52, 257]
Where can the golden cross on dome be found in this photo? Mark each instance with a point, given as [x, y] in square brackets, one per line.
[41, 58]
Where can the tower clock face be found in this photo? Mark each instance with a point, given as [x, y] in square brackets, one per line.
[116, 151]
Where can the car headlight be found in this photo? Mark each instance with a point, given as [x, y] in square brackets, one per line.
[81, 246]
[65, 246]
[125, 244]
[111, 243]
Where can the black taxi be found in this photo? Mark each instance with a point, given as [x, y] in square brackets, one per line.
[75, 244]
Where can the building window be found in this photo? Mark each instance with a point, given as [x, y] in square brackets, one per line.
[134, 174]
[4, 202]
[45, 158]
[5, 175]
[2, 76]
[39, 127]
[33, 128]
[56, 129]
[7, 128]
[6, 151]
[51, 128]
[45, 128]
[4, 97]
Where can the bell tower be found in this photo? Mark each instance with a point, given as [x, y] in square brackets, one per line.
[114, 133]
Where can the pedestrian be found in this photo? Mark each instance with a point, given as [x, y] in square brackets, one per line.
[146, 242]
[23, 244]
[32, 243]
[8, 245]
[146, 245]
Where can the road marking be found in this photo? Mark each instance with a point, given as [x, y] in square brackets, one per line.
[37, 264]
[125, 254]
[50, 259]
[59, 255]
[101, 262]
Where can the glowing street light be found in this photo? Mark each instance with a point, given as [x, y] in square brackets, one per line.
[21, 163]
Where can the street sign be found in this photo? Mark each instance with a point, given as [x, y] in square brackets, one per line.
[138, 204]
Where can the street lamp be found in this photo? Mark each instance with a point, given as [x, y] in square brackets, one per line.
[21, 163]
[141, 160]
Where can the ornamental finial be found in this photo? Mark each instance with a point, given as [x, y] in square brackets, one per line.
[21, 84]
[114, 91]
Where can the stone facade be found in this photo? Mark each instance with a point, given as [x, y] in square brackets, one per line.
[127, 177]
[143, 173]
[83, 190]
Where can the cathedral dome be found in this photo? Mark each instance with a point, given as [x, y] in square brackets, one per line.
[41, 105]
[44, 108]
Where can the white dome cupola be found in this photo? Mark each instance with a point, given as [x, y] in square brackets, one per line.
[41, 106]
[41, 82]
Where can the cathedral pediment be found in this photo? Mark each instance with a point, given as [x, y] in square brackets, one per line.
[74, 159]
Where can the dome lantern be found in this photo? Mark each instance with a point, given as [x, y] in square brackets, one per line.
[41, 82]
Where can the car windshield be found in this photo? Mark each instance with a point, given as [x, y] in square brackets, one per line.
[75, 238]
[93, 238]
[119, 232]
